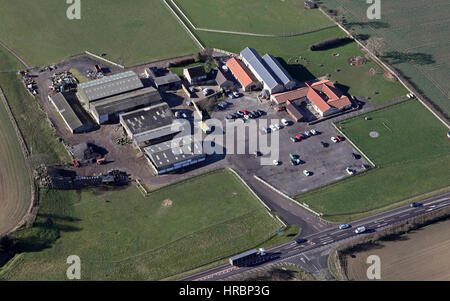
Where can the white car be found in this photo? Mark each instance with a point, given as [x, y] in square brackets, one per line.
[349, 171]
[284, 122]
[273, 128]
[360, 230]
[236, 94]
[276, 162]
[334, 139]
[308, 134]
[314, 132]
[279, 127]
[306, 173]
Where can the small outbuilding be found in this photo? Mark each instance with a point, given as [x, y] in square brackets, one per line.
[195, 75]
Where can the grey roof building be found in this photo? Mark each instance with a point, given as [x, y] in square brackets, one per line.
[108, 86]
[195, 75]
[285, 78]
[109, 108]
[149, 125]
[254, 62]
[167, 81]
[175, 154]
[66, 112]
[222, 81]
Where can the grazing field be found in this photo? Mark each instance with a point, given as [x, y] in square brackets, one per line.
[121, 235]
[262, 16]
[413, 154]
[420, 255]
[15, 178]
[39, 137]
[129, 33]
[416, 37]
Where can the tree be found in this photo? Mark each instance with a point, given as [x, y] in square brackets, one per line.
[376, 45]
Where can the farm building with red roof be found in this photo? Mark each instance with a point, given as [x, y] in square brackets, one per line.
[243, 75]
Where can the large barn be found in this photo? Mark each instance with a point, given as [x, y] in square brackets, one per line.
[68, 115]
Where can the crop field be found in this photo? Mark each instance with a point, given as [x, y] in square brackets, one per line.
[416, 37]
[15, 179]
[420, 255]
[121, 235]
[262, 16]
[129, 34]
[413, 155]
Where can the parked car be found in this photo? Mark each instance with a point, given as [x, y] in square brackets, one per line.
[308, 134]
[273, 128]
[339, 138]
[314, 132]
[349, 171]
[257, 153]
[360, 230]
[306, 173]
[261, 112]
[236, 94]
[298, 137]
[276, 162]
[356, 156]
[284, 122]
[295, 162]
[256, 114]
[344, 226]
[279, 127]
[231, 96]
[334, 139]
[293, 156]
[293, 139]
[415, 204]
[324, 144]
[192, 89]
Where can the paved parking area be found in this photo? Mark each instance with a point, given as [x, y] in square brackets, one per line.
[327, 164]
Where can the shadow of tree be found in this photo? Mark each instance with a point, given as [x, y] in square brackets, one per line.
[397, 57]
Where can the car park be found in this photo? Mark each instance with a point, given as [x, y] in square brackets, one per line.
[360, 230]
[349, 171]
[344, 226]
[307, 173]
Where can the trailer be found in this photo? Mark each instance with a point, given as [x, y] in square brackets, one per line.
[249, 258]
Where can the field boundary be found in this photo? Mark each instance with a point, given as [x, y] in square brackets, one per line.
[243, 33]
[427, 105]
[15, 54]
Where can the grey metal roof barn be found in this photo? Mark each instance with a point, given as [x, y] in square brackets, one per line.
[254, 61]
[279, 71]
[175, 154]
[67, 113]
[149, 123]
[125, 102]
[171, 78]
[108, 86]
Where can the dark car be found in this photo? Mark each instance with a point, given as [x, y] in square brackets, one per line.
[416, 204]
[324, 144]
[356, 156]
[301, 240]
[256, 114]
[261, 112]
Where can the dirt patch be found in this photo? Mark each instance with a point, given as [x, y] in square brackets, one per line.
[389, 76]
[357, 61]
[167, 203]
[421, 255]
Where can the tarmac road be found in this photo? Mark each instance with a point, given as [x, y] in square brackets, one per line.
[312, 255]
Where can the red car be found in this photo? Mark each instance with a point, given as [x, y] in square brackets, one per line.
[245, 112]
[298, 137]
[279, 109]
[339, 138]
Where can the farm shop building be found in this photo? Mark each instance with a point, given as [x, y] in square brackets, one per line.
[110, 108]
[174, 155]
[150, 125]
[108, 86]
[67, 114]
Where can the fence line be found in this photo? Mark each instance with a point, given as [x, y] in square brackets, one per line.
[103, 59]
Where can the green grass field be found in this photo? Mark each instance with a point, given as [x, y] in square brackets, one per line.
[31, 119]
[262, 16]
[131, 237]
[128, 33]
[413, 154]
[416, 37]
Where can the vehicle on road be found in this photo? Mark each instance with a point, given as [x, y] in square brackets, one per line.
[306, 173]
[415, 204]
[349, 171]
[334, 139]
[360, 230]
[344, 226]
[249, 258]
[301, 240]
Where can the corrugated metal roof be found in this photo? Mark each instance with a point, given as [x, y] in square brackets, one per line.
[65, 110]
[279, 70]
[254, 59]
[111, 85]
[166, 79]
[148, 119]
